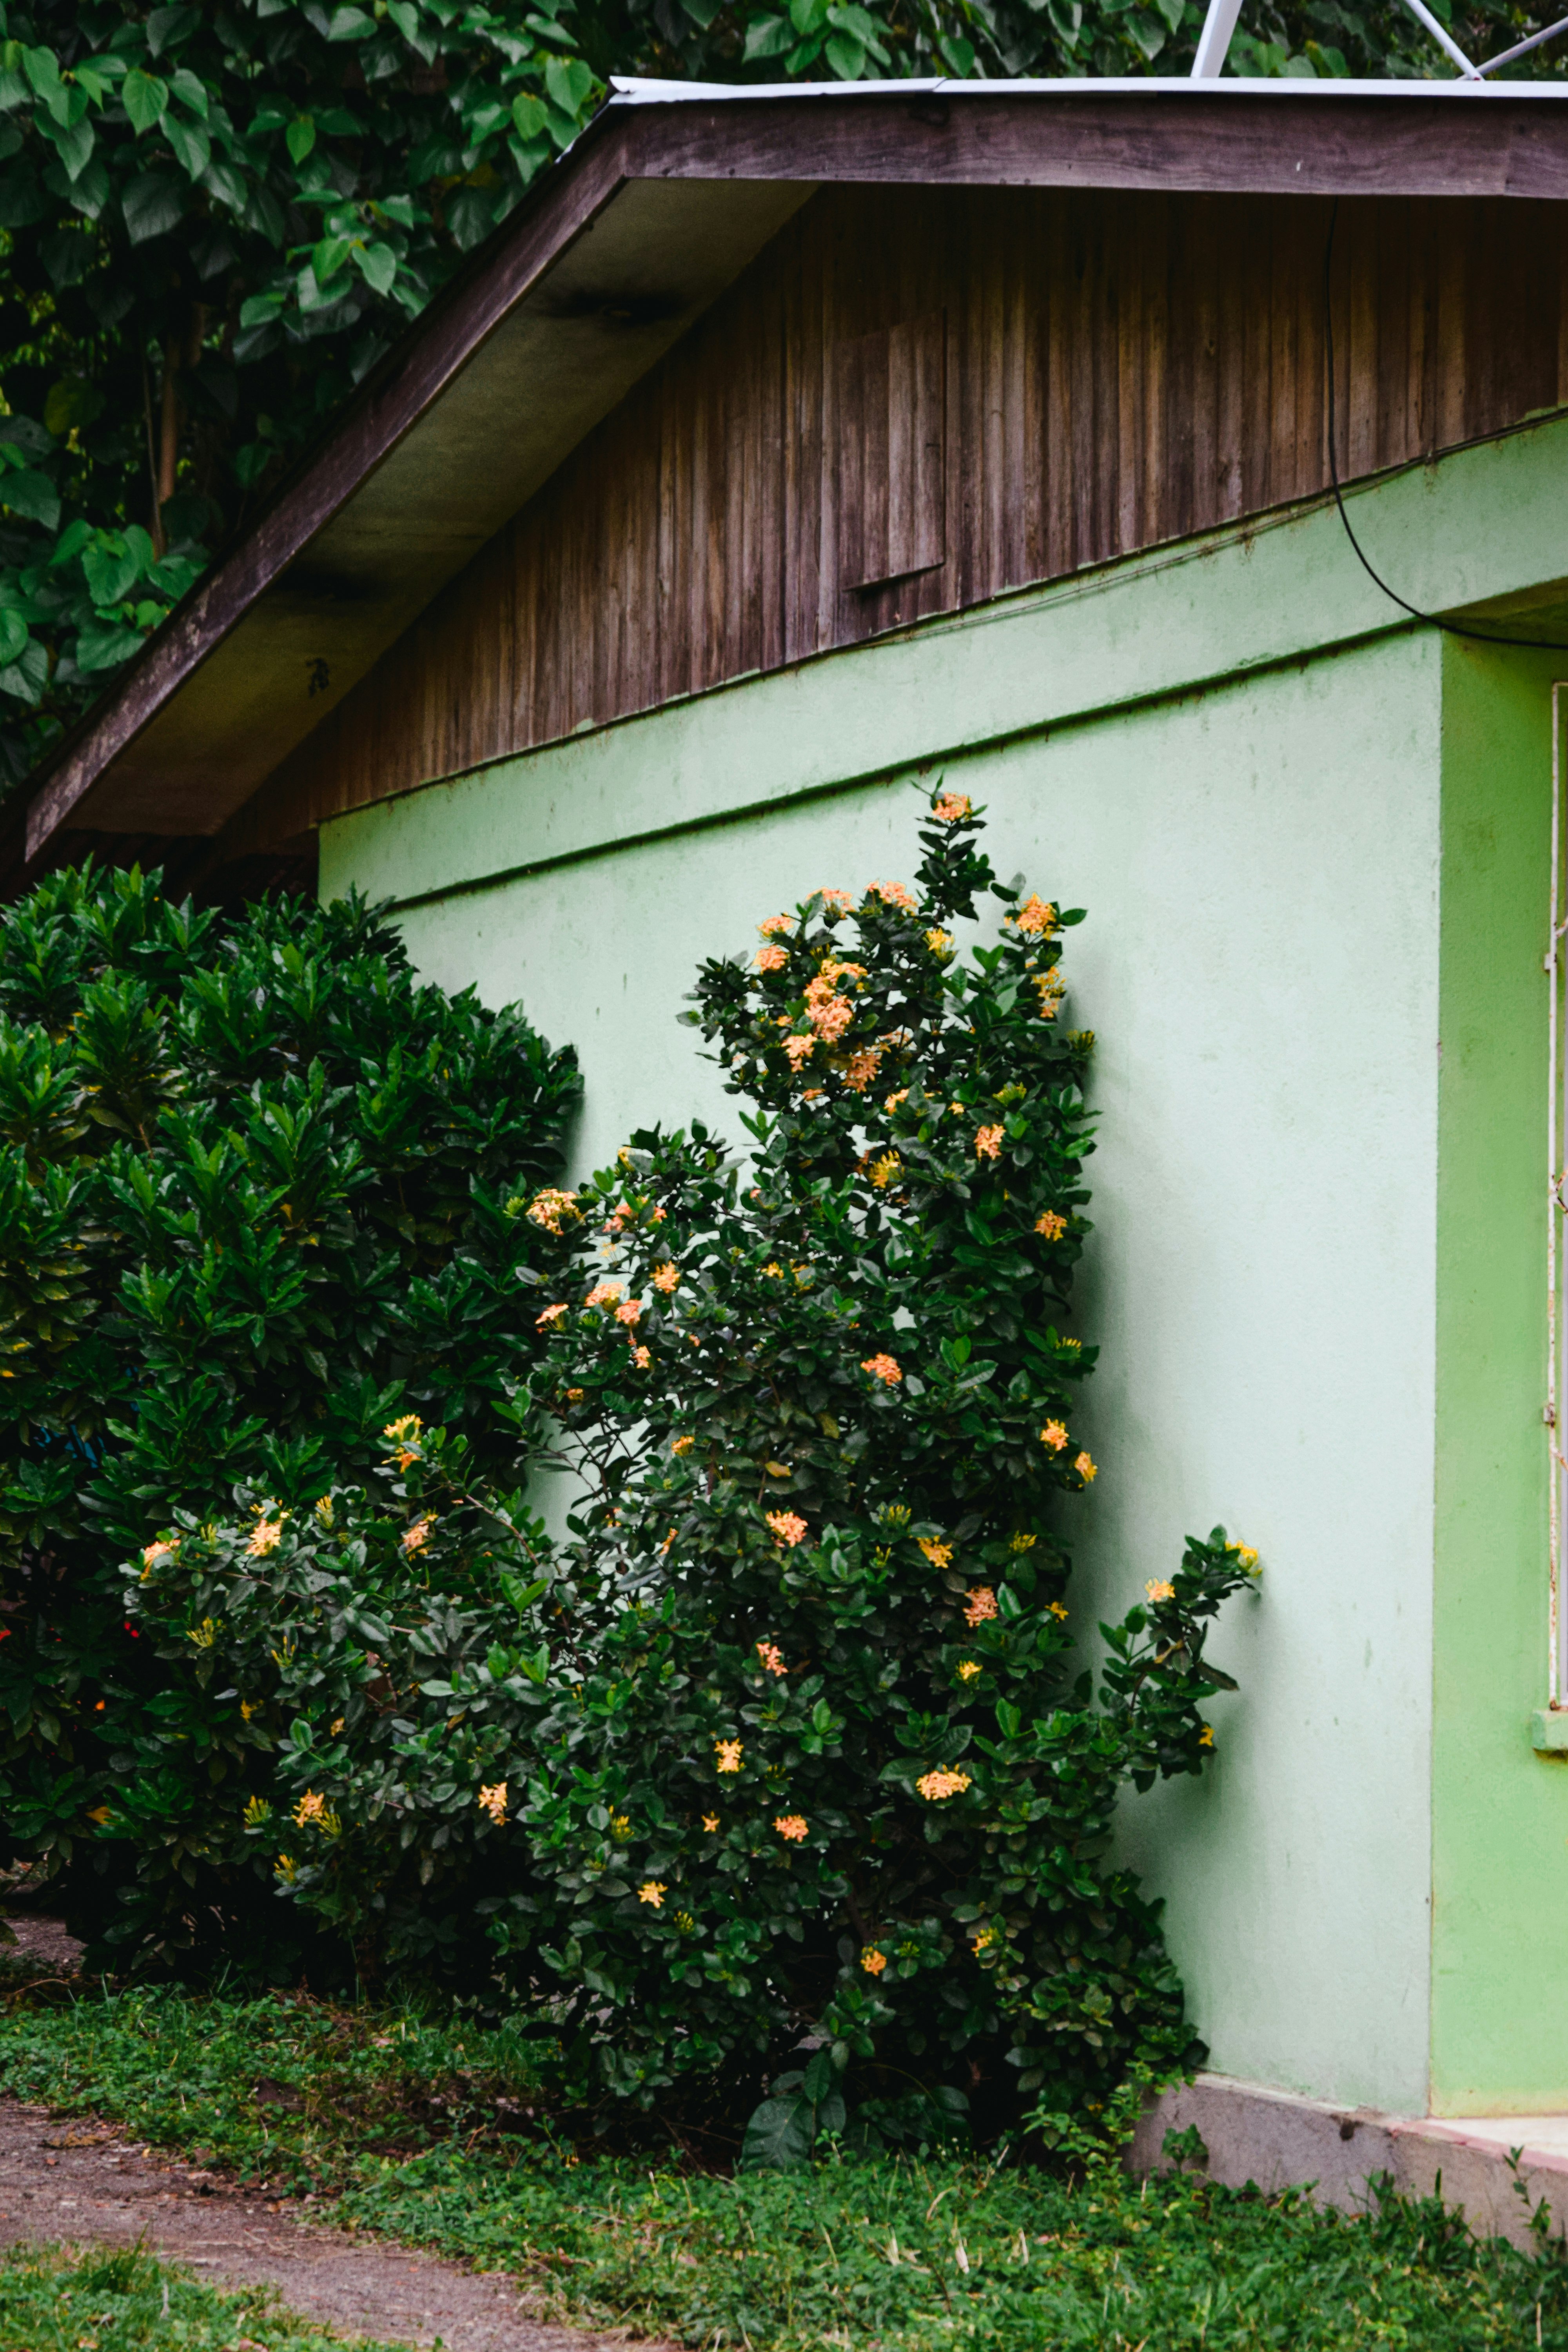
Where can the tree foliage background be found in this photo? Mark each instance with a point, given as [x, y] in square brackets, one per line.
[215, 217]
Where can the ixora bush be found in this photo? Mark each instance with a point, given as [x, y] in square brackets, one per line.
[791, 1741]
[259, 1192]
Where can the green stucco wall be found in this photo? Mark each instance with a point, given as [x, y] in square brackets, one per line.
[1499, 1813]
[1259, 788]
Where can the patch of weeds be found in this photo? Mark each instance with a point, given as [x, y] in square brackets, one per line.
[59, 2299]
[281, 2089]
[403, 2115]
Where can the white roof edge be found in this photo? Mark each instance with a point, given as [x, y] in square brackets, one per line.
[627, 90]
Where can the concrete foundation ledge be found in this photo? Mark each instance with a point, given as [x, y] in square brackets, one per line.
[1279, 2140]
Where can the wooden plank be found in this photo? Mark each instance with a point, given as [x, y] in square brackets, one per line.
[1108, 372]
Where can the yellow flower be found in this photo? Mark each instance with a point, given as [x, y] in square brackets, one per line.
[257, 1811]
[939, 1554]
[549, 1207]
[1159, 1590]
[1022, 1541]
[337, 1726]
[576, 1396]
[873, 1961]
[939, 942]
[284, 1866]
[682, 1444]
[493, 1800]
[791, 1827]
[1036, 919]
[934, 1786]
[1051, 1225]
[891, 1105]
[1057, 1608]
[405, 1429]
[204, 1635]
[1085, 1468]
[322, 1506]
[1205, 1736]
[1247, 1557]
[246, 1708]
[774, 1269]
[653, 1890]
[314, 1810]
[886, 1171]
[728, 1753]
[968, 1668]
[1054, 1435]
[710, 1822]
[99, 1814]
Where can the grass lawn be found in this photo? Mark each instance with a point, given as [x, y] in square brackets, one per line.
[55, 2301]
[430, 2132]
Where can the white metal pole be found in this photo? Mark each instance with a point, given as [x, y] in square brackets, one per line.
[1445, 40]
[1215, 39]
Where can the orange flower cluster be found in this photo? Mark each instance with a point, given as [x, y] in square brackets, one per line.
[939, 1554]
[1085, 1468]
[682, 1444]
[774, 925]
[982, 1605]
[798, 1048]
[1051, 1225]
[772, 1658]
[988, 1143]
[787, 1526]
[551, 1206]
[894, 893]
[416, 1538]
[1037, 918]
[1159, 1590]
[665, 1276]
[791, 1827]
[950, 808]
[605, 1293]
[1054, 1435]
[884, 1369]
[861, 1068]
[934, 1786]
[771, 959]
[728, 1753]
[550, 1315]
[653, 1890]
[885, 1170]
[873, 1961]
[493, 1800]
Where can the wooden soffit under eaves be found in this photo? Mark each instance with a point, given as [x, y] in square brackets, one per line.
[610, 262]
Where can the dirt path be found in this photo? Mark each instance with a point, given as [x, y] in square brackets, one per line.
[75, 2178]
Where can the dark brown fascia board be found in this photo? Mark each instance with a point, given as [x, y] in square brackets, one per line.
[1439, 139]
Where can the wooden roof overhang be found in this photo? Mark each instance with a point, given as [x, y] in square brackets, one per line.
[660, 205]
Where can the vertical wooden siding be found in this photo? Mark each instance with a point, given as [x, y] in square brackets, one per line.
[1120, 369]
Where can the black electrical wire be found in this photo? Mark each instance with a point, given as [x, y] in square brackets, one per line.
[1450, 629]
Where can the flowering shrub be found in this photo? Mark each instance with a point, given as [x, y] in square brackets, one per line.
[809, 1750]
[259, 1193]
